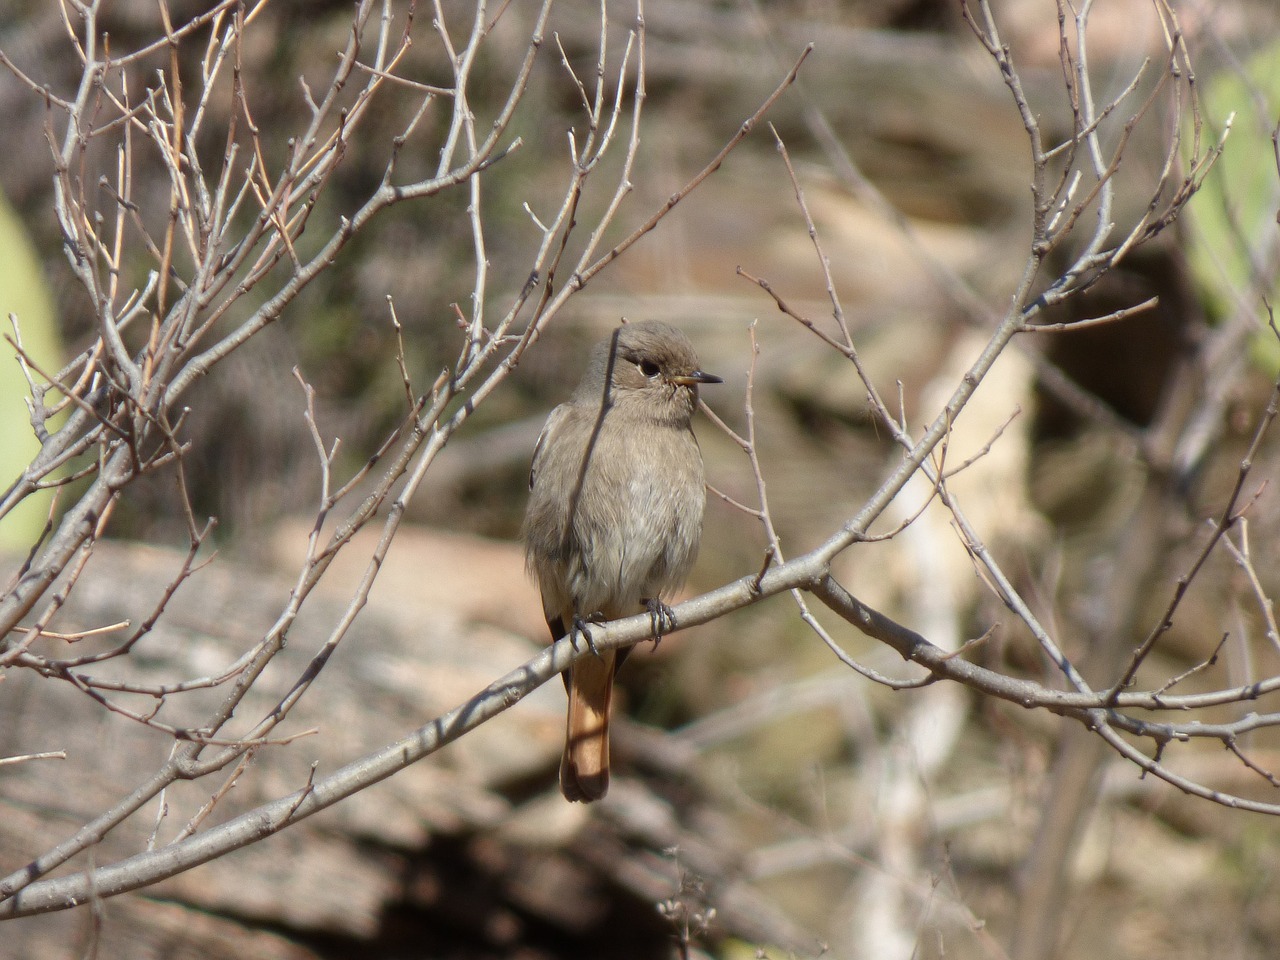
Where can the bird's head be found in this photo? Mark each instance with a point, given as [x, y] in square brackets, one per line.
[649, 364]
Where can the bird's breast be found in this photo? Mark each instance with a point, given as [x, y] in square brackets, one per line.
[637, 523]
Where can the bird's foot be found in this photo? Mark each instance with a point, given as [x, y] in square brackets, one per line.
[662, 619]
[580, 629]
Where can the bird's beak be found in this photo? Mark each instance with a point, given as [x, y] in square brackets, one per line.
[697, 376]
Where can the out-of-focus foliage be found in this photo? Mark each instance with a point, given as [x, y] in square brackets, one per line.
[24, 295]
[1235, 243]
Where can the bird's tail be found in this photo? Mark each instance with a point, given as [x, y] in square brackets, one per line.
[584, 768]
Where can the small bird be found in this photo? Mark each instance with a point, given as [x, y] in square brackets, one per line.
[615, 516]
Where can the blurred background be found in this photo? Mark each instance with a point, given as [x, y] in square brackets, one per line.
[767, 798]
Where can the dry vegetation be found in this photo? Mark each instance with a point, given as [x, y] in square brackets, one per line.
[982, 658]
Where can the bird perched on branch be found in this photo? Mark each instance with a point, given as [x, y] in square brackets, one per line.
[615, 516]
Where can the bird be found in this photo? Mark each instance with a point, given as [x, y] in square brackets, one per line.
[614, 518]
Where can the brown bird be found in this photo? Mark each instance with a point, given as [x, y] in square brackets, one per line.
[615, 516]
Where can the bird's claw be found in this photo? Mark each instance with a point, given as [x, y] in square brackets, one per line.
[662, 619]
[580, 628]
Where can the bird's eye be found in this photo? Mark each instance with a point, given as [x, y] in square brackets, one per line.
[648, 368]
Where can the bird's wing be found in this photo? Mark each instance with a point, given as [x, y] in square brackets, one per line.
[553, 421]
